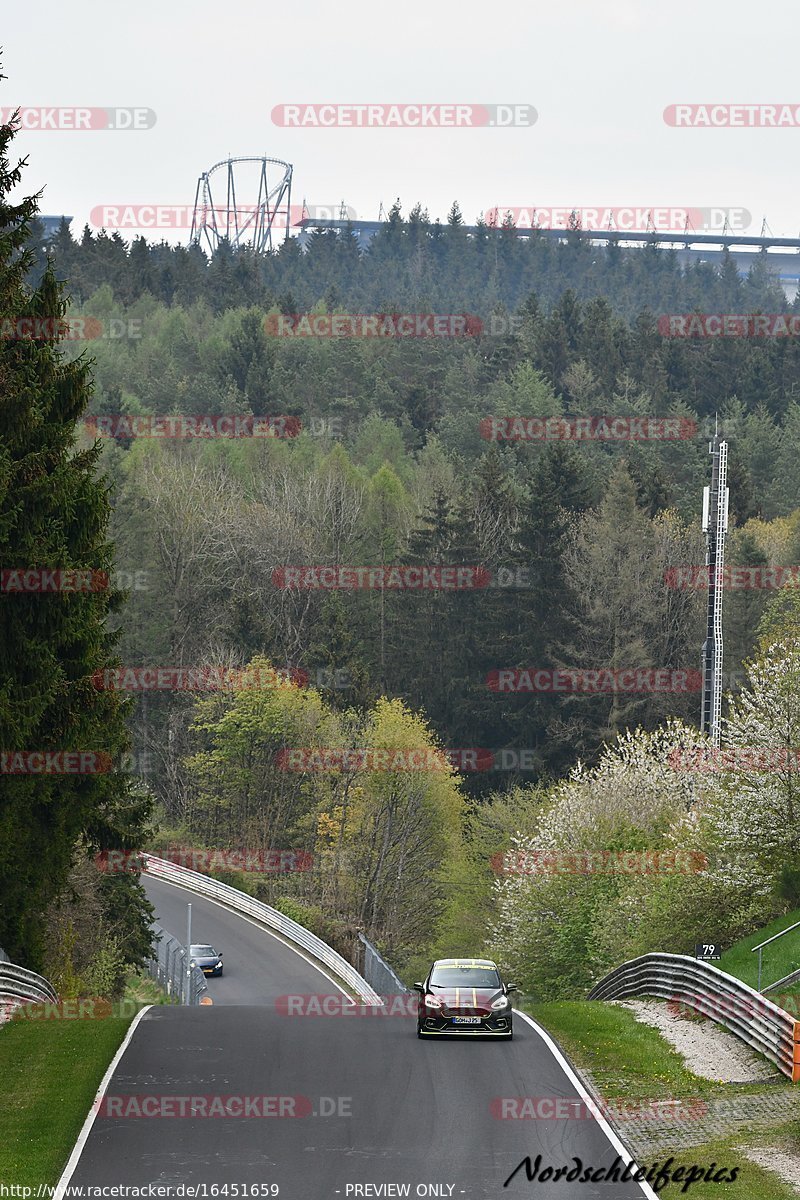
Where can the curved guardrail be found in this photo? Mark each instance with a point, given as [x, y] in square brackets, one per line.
[715, 994]
[19, 986]
[159, 868]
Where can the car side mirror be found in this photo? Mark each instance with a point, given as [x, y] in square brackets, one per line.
[419, 987]
[511, 987]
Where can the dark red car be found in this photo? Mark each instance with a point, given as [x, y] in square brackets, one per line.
[464, 997]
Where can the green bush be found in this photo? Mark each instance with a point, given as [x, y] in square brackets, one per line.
[672, 913]
[787, 886]
[294, 910]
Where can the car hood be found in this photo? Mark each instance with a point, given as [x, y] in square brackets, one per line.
[466, 997]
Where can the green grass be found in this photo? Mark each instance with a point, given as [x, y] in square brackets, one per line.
[631, 1061]
[779, 959]
[50, 1072]
[752, 1183]
[626, 1058]
[141, 989]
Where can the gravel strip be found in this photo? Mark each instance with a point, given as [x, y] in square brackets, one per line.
[708, 1051]
[786, 1165]
[711, 1053]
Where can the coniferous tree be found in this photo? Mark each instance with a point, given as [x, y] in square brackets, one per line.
[54, 512]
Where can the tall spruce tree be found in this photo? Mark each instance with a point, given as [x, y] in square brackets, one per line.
[54, 511]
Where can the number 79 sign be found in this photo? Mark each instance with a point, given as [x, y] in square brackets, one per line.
[708, 951]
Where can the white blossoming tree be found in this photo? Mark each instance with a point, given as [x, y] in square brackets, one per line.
[571, 904]
[603, 828]
[757, 810]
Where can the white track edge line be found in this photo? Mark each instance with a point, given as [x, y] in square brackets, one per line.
[86, 1129]
[265, 929]
[575, 1079]
[89, 1122]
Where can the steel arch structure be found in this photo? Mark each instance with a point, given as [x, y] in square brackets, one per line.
[251, 224]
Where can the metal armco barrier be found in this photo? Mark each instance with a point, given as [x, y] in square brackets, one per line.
[787, 979]
[377, 971]
[711, 992]
[168, 968]
[18, 986]
[159, 868]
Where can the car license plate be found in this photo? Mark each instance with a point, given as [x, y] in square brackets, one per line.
[466, 1020]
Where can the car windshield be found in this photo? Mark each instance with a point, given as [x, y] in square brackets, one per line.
[204, 952]
[466, 977]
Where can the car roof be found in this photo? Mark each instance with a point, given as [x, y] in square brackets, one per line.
[465, 962]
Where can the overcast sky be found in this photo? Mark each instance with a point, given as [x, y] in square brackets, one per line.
[598, 75]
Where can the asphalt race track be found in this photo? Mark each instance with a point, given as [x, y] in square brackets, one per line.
[337, 1102]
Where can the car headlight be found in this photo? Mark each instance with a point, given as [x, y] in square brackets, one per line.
[433, 1002]
[500, 1002]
